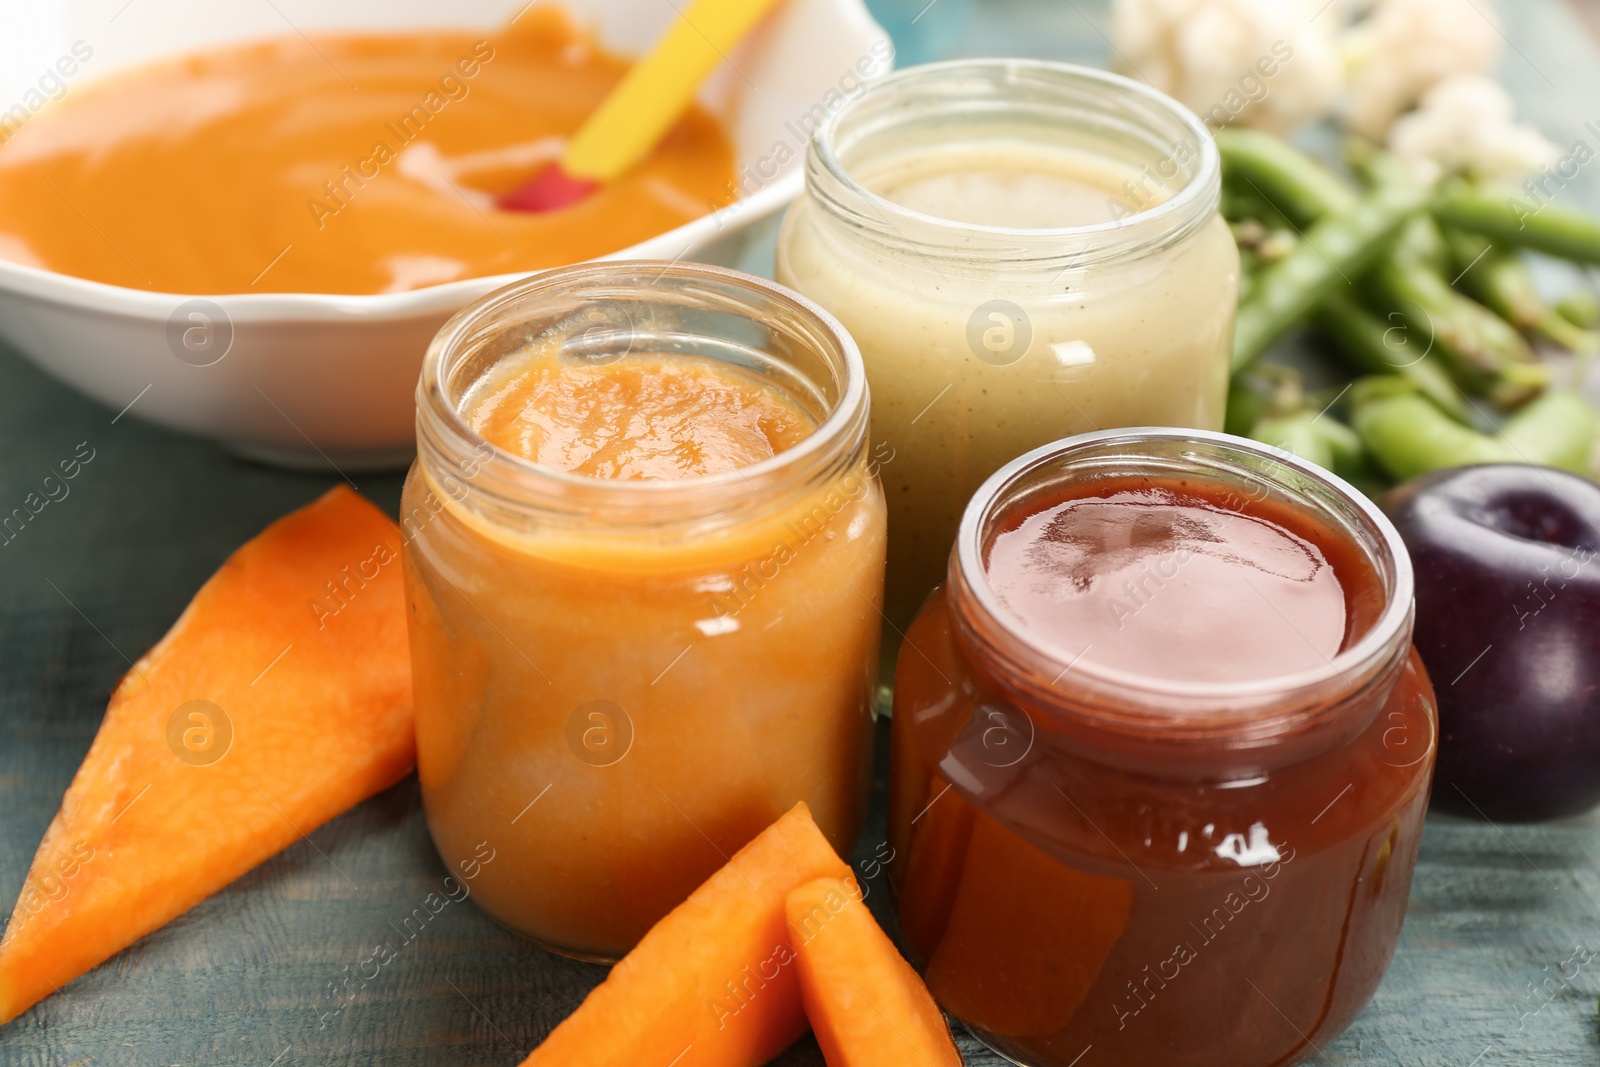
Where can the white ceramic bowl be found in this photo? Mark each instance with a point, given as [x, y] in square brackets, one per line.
[315, 379]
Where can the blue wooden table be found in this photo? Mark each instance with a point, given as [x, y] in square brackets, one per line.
[1499, 962]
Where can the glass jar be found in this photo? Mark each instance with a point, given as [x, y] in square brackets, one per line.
[1162, 872]
[1023, 250]
[619, 683]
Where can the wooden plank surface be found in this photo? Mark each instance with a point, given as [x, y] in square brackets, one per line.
[1486, 972]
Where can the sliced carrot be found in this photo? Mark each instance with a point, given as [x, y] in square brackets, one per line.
[1020, 964]
[713, 984]
[867, 1006]
[281, 697]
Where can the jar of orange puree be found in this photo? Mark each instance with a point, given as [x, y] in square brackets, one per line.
[644, 558]
[1161, 754]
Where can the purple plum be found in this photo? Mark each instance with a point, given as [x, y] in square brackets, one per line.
[1508, 624]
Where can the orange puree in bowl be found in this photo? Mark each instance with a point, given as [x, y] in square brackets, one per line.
[339, 164]
[647, 417]
[663, 689]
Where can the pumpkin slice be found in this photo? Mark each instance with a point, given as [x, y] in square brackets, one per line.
[867, 1006]
[712, 984]
[281, 697]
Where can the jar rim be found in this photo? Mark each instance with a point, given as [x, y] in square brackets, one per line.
[444, 434]
[1196, 199]
[1348, 668]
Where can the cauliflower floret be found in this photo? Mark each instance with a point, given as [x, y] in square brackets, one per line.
[1262, 63]
[1465, 125]
[1405, 47]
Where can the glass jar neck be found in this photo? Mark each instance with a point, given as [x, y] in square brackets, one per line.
[602, 312]
[1172, 167]
[1224, 729]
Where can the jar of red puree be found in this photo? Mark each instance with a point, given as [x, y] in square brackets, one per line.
[1162, 750]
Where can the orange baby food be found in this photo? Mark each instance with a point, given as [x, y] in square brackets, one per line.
[271, 706]
[338, 164]
[649, 417]
[616, 698]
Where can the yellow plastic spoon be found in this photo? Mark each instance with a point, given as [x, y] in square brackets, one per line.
[643, 106]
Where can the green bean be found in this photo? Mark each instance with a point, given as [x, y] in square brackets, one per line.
[1509, 217]
[1501, 280]
[1482, 351]
[1375, 347]
[1557, 430]
[1246, 407]
[1372, 164]
[1581, 308]
[1421, 240]
[1409, 436]
[1314, 436]
[1475, 342]
[1422, 245]
[1338, 247]
[1481, 347]
[1263, 392]
[1485, 354]
[1235, 206]
[1243, 204]
[1296, 433]
[1517, 383]
[1311, 432]
[1290, 181]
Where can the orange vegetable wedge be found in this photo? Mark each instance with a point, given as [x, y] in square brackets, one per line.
[1053, 939]
[281, 697]
[867, 1006]
[713, 984]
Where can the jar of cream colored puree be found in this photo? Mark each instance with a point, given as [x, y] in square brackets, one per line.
[1023, 251]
